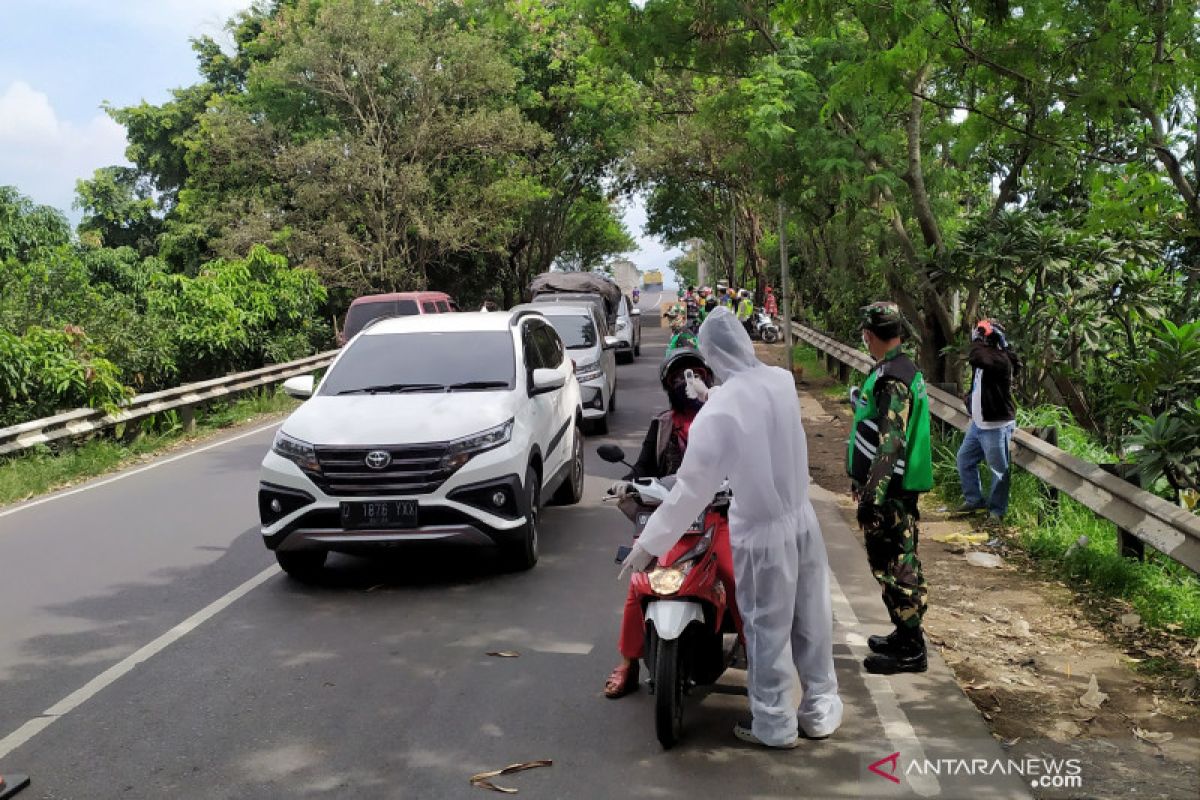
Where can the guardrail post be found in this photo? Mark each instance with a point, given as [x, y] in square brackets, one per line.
[843, 372]
[1049, 435]
[1128, 545]
[187, 415]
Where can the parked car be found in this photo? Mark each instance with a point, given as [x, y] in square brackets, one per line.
[628, 331]
[368, 308]
[427, 428]
[595, 284]
[583, 331]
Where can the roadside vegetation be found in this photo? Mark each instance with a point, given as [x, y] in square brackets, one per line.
[1069, 542]
[44, 469]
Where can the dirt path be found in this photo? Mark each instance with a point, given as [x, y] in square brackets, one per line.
[1024, 647]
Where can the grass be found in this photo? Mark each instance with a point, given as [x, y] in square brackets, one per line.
[1163, 592]
[43, 469]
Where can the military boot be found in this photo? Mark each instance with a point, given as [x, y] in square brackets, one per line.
[908, 656]
[884, 644]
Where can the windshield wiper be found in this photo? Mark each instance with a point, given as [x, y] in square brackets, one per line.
[478, 385]
[395, 388]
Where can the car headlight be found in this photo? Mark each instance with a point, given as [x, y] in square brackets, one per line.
[588, 372]
[666, 580]
[302, 454]
[462, 450]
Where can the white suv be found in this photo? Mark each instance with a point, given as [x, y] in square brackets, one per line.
[438, 428]
[585, 333]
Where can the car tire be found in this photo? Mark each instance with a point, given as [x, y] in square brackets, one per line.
[612, 402]
[522, 554]
[305, 566]
[598, 426]
[637, 348]
[571, 491]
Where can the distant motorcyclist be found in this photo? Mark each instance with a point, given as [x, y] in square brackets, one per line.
[677, 313]
[692, 306]
[662, 452]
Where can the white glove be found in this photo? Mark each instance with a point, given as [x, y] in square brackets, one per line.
[619, 489]
[696, 388]
[638, 559]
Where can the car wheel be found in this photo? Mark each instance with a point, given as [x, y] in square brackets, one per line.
[303, 565]
[612, 401]
[522, 554]
[637, 347]
[571, 491]
[598, 426]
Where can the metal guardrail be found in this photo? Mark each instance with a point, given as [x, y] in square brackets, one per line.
[1168, 528]
[184, 399]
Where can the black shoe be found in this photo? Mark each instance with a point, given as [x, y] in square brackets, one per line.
[884, 644]
[909, 656]
[967, 508]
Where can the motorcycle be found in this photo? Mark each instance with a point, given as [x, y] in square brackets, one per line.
[765, 328]
[691, 638]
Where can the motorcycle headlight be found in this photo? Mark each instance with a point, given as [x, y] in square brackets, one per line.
[588, 372]
[463, 450]
[302, 454]
[666, 580]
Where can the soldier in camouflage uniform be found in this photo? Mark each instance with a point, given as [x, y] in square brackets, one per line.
[890, 464]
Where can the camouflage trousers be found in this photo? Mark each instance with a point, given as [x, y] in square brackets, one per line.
[892, 554]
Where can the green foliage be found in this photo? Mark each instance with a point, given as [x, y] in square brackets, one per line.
[46, 371]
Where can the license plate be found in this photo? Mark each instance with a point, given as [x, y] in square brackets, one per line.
[380, 514]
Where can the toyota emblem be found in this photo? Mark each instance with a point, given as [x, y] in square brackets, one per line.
[378, 459]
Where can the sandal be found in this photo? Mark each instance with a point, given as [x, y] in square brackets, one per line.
[621, 681]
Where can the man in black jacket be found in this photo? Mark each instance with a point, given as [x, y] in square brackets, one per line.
[993, 420]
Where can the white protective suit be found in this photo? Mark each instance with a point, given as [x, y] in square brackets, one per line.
[750, 432]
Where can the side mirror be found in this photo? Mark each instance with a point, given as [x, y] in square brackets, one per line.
[611, 453]
[300, 387]
[610, 342]
[546, 380]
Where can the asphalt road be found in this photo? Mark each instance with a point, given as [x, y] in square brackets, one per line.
[149, 648]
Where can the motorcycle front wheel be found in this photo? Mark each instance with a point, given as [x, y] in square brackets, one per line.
[668, 693]
[770, 336]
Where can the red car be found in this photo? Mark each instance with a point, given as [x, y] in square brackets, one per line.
[368, 308]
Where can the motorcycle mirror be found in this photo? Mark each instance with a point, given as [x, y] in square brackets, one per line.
[611, 453]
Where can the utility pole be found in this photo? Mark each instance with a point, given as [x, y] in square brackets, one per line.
[732, 240]
[784, 282]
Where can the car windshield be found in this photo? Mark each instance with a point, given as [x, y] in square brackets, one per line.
[359, 315]
[394, 363]
[577, 332]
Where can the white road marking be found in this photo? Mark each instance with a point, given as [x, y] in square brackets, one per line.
[896, 727]
[129, 473]
[89, 690]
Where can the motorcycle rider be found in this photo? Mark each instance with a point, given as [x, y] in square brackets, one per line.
[745, 311]
[677, 313]
[662, 453]
[750, 432]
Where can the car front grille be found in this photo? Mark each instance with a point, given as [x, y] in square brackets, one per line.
[413, 470]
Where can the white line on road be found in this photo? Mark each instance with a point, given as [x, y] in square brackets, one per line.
[129, 473]
[89, 690]
[896, 727]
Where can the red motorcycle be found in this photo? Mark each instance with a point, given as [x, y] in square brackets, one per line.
[691, 638]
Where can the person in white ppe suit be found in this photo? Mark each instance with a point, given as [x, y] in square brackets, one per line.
[750, 432]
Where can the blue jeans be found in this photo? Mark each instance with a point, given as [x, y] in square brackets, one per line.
[991, 446]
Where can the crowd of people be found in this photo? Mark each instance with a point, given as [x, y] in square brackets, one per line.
[693, 306]
[747, 431]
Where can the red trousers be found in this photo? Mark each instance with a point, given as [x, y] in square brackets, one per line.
[632, 642]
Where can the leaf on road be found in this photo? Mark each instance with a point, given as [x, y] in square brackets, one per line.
[480, 780]
[505, 654]
[1093, 697]
[1153, 737]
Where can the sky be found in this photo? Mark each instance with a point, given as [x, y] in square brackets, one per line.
[61, 60]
